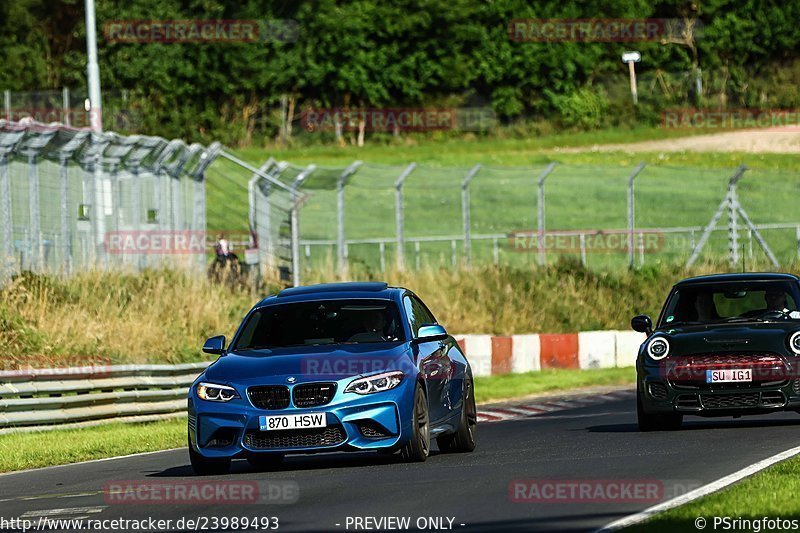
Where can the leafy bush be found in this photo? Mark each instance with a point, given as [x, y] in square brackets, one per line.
[586, 108]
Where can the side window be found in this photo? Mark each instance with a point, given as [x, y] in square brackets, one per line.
[417, 313]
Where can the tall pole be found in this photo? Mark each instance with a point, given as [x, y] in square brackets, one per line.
[540, 227]
[465, 212]
[340, 232]
[632, 72]
[93, 70]
[632, 214]
[399, 216]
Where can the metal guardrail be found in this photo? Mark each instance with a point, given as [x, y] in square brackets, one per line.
[39, 399]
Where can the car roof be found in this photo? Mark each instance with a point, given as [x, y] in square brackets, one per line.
[345, 290]
[741, 276]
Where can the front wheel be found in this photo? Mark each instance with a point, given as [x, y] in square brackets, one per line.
[418, 448]
[463, 440]
[203, 466]
[656, 422]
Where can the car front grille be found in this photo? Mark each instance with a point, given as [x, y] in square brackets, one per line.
[295, 438]
[269, 396]
[313, 394]
[689, 371]
[728, 401]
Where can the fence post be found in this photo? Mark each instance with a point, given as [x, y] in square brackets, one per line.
[726, 203]
[540, 226]
[5, 218]
[583, 249]
[7, 103]
[399, 219]
[797, 238]
[66, 238]
[632, 213]
[264, 251]
[465, 212]
[295, 230]
[65, 105]
[297, 202]
[34, 219]
[733, 230]
[340, 236]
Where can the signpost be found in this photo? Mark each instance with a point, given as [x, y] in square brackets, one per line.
[630, 58]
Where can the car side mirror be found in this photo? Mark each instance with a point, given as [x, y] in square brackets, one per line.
[642, 324]
[431, 332]
[215, 345]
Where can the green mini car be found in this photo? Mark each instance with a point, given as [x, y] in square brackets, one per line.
[723, 345]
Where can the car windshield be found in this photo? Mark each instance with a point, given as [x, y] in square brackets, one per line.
[730, 302]
[322, 322]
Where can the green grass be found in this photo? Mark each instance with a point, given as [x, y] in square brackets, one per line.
[19, 451]
[771, 493]
[519, 385]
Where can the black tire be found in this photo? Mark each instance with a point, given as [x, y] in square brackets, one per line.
[656, 422]
[419, 447]
[203, 466]
[463, 440]
[265, 461]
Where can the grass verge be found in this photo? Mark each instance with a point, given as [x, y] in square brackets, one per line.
[519, 385]
[771, 493]
[19, 451]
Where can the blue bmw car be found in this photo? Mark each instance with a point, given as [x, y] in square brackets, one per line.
[333, 367]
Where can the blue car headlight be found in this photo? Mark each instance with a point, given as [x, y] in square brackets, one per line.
[377, 383]
[214, 392]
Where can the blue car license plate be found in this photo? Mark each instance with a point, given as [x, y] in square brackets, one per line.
[298, 421]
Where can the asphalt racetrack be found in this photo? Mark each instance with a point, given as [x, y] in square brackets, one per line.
[524, 459]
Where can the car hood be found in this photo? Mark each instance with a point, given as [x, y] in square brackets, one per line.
[306, 364]
[749, 337]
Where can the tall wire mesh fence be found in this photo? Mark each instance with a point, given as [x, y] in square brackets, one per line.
[607, 217]
[73, 200]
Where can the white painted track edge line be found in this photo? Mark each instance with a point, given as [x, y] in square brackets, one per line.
[705, 490]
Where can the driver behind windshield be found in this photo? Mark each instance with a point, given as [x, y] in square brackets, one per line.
[776, 301]
[705, 308]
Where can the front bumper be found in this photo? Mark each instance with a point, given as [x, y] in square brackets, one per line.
[660, 394]
[377, 421]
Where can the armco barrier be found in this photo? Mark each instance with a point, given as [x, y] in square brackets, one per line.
[40, 398]
[37, 399]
